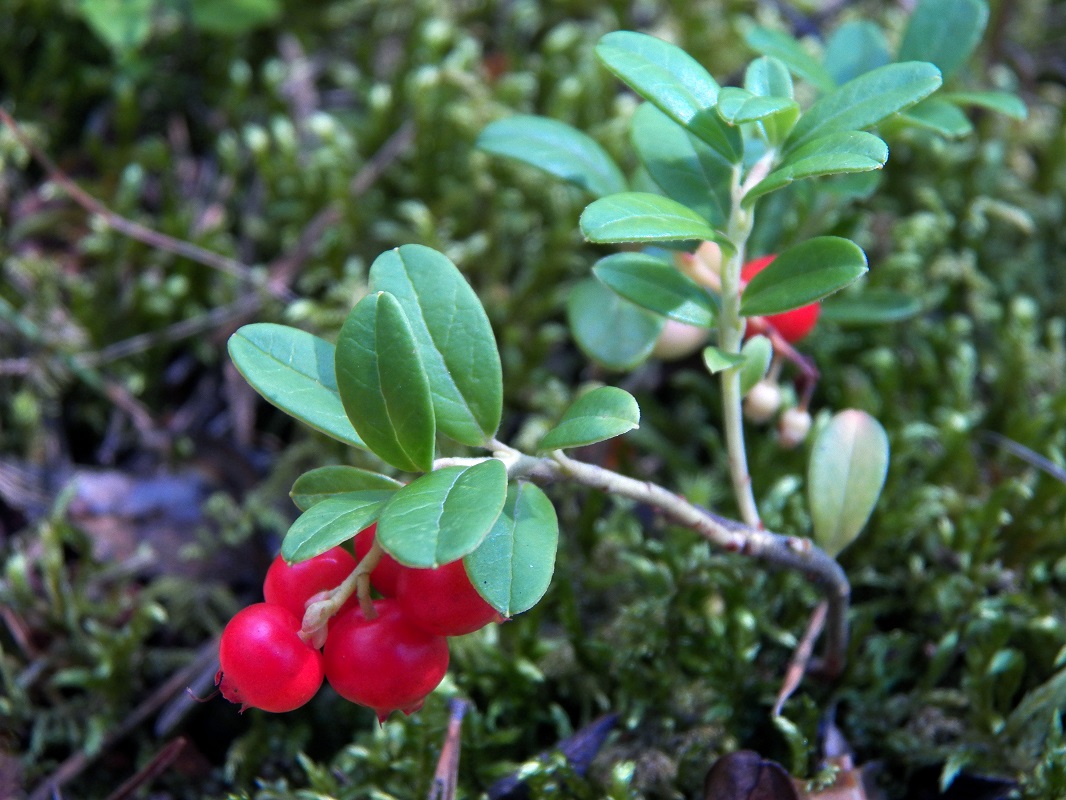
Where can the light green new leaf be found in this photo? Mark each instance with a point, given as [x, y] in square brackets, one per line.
[667, 76]
[331, 522]
[643, 217]
[383, 384]
[803, 274]
[609, 330]
[684, 167]
[780, 45]
[757, 353]
[871, 307]
[556, 148]
[944, 32]
[739, 106]
[455, 341]
[834, 154]
[717, 360]
[1000, 102]
[443, 515]
[938, 115]
[849, 462]
[854, 49]
[866, 100]
[657, 286]
[598, 415]
[769, 77]
[294, 370]
[325, 482]
[513, 567]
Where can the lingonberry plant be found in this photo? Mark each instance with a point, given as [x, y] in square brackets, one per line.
[472, 539]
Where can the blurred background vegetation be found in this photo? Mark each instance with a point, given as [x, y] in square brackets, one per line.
[143, 488]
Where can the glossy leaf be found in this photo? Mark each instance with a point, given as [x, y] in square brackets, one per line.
[1000, 102]
[323, 483]
[781, 46]
[608, 329]
[717, 360]
[294, 370]
[866, 100]
[834, 154]
[443, 515]
[331, 522]
[512, 568]
[849, 462]
[939, 116]
[455, 341]
[757, 353]
[670, 78]
[944, 32]
[855, 48]
[871, 307]
[383, 384]
[643, 217]
[803, 274]
[556, 148]
[769, 77]
[596, 416]
[657, 286]
[738, 106]
[684, 167]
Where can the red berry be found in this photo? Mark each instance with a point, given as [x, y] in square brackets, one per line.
[385, 663]
[292, 585]
[387, 572]
[792, 325]
[265, 663]
[443, 601]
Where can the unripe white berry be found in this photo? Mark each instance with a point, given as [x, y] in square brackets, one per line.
[677, 340]
[793, 427]
[762, 402]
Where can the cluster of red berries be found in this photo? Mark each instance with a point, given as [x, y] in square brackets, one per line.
[387, 663]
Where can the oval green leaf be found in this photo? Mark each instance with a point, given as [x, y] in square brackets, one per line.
[383, 384]
[513, 567]
[643, 217]
[855, 48]
[455, 341]
[871, 307]
[598, 415]
[717, 360]
[803, 274]
[332, 522]
[849, 462]
[769, 77]
[837, 153]
[555, 148]
[444, 515]
[937, 115]
[1000, 102]
[294, 371]
[944, 32]
[323, 483]
[609, 330]
[738, 106]
[657, 286]
[780, 45]
[866, 100]
[757, 353]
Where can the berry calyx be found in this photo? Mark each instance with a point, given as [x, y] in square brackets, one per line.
[387, 572]
[443, 601]
[264, 662]
[385, 663]
[792, 325]
[292, 585]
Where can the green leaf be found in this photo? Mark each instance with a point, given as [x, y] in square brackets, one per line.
[938, 115]
[737, 106]
[1000, 102]
[657, 286]
[454, 338]
[293, 370]
[513, 567]
[717, 360]
[780, 45]
[871, 307]
[849, 462]
[769, 77]
[944, 32]
[803, 274]
[643, 217]
[234, 17]
[124, 25]
[834, 154]
[866, 100]
[323, 483]
[854, 49]
[331, 522]
[757, 353]
[443, 515]
[667, 76]
[383, 384]
[687, 169]
[608, 329]
[556, 148]
[598, 415]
